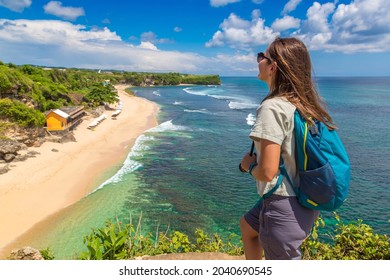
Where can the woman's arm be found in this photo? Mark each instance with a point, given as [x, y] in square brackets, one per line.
[268, 166]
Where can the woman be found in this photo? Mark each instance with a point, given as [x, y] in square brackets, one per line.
[279, 224]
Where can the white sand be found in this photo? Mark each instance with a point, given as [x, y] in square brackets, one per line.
[38, 187]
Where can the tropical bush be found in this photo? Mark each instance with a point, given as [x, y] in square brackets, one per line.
[201, 79]
[47, 254]
[354, 241]
[100, 94]
[5, 83]
[116, 241]
[21, 114]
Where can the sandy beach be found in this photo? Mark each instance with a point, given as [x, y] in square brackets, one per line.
[39, 187]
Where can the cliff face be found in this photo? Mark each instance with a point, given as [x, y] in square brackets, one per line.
[13, 147]
[29, 136]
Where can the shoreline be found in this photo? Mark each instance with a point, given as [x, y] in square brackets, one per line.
[38, 188]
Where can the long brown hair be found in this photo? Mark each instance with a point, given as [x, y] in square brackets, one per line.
[293, 79]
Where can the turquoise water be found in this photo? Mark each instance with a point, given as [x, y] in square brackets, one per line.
[184, 175]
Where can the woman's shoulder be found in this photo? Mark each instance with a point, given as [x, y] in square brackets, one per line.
[278, 104]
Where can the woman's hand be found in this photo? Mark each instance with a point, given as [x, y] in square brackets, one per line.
[268, 164]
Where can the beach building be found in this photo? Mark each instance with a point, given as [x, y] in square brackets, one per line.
[65, 118]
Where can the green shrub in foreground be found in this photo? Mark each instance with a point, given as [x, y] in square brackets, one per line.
[354, 241]
[116, 241]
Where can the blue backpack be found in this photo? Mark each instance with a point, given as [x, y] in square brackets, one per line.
[323, 165]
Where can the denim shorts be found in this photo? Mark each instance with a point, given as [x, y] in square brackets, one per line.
[282, 224]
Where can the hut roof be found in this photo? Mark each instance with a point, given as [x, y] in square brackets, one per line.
[72, 110]
[61, 113]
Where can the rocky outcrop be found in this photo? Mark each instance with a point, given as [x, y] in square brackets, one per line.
[16, 141]
[9, 149]
[31, 137]
[64, 137]
[25, 253]
[13, 151]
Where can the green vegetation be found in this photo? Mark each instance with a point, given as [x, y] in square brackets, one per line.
[201, 80]
[27, 91]
[117, 241]
[47, 254]
[100, 94]
[354, 241]
[23, 115]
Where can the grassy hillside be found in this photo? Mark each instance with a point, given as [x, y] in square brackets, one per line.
[27, 91]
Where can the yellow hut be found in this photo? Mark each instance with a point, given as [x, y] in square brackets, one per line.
[64, 118]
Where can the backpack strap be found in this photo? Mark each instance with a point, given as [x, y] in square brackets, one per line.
[280, 180]
[283, 172]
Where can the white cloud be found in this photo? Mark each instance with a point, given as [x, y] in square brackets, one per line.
[239, 63]
[148, 46]
[362, 18]
[317, 17]
[220, 3]
[258, 1]
[290, 6]
[177, 29]
[60, 43]
[70, 13]
[52, 32]
[362, 25]
[242, 34]
[152, 37]
[149, 36]
[285, 23]
[15, 5]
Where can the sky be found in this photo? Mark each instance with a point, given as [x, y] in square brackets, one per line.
[344, 37]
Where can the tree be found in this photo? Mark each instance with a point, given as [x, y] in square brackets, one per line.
[100, 94]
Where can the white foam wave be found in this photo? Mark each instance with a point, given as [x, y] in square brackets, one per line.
[195, 91]
[130, 164]
[235, 103]
[202, 111]
[241, 105]
[156, 92]
[222, 97]
[250, 119]
[177, 103]
[168, 126]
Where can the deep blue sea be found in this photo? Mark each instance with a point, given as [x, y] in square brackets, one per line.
[183, 174]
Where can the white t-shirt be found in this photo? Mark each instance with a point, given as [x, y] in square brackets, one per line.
[275, 122]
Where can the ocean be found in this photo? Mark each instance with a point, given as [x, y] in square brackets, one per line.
[183, 174]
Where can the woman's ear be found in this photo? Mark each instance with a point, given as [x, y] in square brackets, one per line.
[274, 67]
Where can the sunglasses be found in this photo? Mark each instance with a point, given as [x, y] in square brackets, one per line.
[261, 56]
